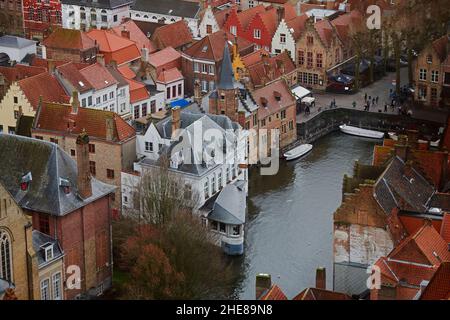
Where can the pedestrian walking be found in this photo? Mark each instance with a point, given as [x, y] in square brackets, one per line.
[334, 102]
[385, 107]
[354, 104]
[376, 99]
[365, 97]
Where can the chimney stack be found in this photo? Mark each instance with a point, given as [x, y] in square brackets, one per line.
[401, 148]
[197, 93]
[101, 59]
[263, 283]
[144, 54]
[51, 66]
[110, 128]
[321, 278]
[75, 103]
[176, 119]
[84, 175]
[280, 14]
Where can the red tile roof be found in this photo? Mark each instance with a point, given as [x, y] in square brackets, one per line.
[268, 93]
[68, 39]
[58, 118]
[44, 85]
[445, 227]
[274, 293]
[166, 55]
[19, 72]
[269, 69]
[439, 286]
[168, 76]
[72, 74]
[173, 35]
[127, 72]
[247, 15]
[120, 49]
[297, 25]
[254, 57]
[98, 76]
[321, 294]
[138, 92]
[211, 47]
[440, 46]
[136, 35]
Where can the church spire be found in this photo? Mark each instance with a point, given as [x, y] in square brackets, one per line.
[226, 80]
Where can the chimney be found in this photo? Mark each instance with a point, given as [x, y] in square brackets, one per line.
[51, 66]
[74, 103]
[110, 128]
[413, 138]
[263, 283]
[144, 54]
[125, 33]
[101, 59]
[197, 93]
[176, 119]
[280, 14]
[408, 169]
[321, 278]
[401, 148]
[84, 175]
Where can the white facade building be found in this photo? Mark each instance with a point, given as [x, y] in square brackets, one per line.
[94, 14]
[284, 40]
[17, 48]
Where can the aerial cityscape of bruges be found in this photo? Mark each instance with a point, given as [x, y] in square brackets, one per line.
[224, 150]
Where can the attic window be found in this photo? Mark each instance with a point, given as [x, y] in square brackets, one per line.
[65, 185]
[48, 250]
[81, 83]
[106, 82]
[25, 182]
[264, 102]
[430, 59]
[205, 48]
[277, 95]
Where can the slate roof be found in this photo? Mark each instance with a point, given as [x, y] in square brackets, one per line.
[177, 8]
[230, 206]
[47, 163]
[402, 188]
[40, 239]
[226, 80]
[102, 4]
[15, 42]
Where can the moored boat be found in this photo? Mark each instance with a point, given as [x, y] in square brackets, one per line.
[298, 152]
[355, 131]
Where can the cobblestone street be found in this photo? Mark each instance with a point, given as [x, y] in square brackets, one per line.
[379, 88]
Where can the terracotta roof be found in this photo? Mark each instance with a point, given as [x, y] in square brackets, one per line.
[58, 118]
[274, 293]
[98, 76]
[297, 25]
[168, 76]
[68, 39]
[211, 47]
[321, 294]
[269, 69]
[268, 92]
[173, 35]
[440, 46]
[19, 72]
[221, 15]
[246, 16]
[138, 92]
[163, 57]
[122, 50]
[445, 227]
[127, 72]
[136, 35]
[325, 31]
[439, 286]
[72, 74]
[39, 62]
[44, 85]
[254, 57]
[347, 23]
[426, 246]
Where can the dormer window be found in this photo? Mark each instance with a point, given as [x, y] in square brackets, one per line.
[48, 251]
[25, 182]
[65, 185]
[430, 59]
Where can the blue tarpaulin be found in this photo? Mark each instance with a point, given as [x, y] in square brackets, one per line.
[179, 103]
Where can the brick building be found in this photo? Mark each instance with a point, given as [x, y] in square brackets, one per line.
[201, 62]
[176, 35]
[69, 45]
[65, 203]
[11, 18]
[112, 141]
[40, 17]
[15, 73]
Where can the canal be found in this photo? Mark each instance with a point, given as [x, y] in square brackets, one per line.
[290, 221]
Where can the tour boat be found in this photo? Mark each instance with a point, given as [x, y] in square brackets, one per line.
[298, 152]
[361, 132]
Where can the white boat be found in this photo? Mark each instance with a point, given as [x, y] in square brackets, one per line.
[298, 152]
[361, 132]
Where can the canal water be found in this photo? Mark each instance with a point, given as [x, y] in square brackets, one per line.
[290, 221]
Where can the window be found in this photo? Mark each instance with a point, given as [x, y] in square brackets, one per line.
[111, 95]
[110, 173]
[236, 230]
[72, 152]
[48, 252]
[208, 29]
[144, 109]
[319, 60]
[291, 125]
[423, 74]
[283, 114]
[196, 67]
[136, 112]
[91, 148]
[435, 76]
[98, 100]
[222, 227]
[219, 180]
[153, 106]
[83, 103]
[430, 59]
[310, 59]
[90, 101]
[45, 292]
[228, 176]
[434, 95]
[211, 69]
[168, 93]
[206, 189]
[174, 91]
[56, 282]
[92, 169]
[180, 89]
[257, 34]
[16, 100]
[233, 30]
[310, 40]
[282, 38]
[251, 3]
[204, 68]
[115, 18]
[213, 184]
[5, 256]
[301, 58]
[122, 107]
[148, 146]
[422, 93]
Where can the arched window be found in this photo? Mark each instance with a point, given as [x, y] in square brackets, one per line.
[5, 256]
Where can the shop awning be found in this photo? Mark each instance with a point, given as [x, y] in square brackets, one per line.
[300, 92]
[308, 100]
